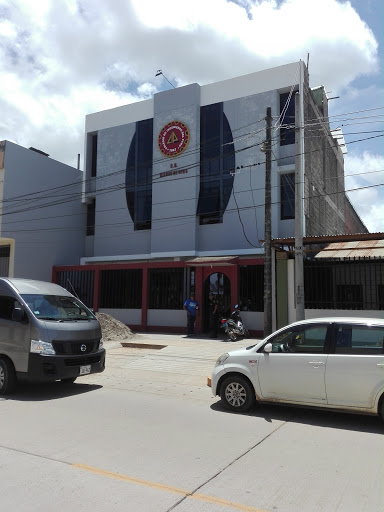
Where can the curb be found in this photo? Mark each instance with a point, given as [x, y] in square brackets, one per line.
[143, 345]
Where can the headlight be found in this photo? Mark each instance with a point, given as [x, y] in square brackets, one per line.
[222, 359]
[101, 343]
[42, 347]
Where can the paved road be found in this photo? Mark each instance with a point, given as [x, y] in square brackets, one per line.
[146, 435]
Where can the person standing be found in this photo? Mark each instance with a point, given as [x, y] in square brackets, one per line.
[213, 312]
[191, 306]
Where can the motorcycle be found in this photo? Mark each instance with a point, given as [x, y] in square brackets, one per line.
[233, 325]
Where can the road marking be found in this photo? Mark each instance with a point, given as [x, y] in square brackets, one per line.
[174, 490]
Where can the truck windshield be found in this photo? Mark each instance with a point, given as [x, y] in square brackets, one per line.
[56, 307]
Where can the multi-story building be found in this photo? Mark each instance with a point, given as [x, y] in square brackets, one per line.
[175, 192]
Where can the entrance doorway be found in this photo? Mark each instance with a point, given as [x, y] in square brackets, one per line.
[220, 286]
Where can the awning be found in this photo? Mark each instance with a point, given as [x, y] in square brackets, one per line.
[212, 261]
[349, 250]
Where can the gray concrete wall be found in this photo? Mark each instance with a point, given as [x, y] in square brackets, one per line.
[246, 119]
[175, 227]
[42, 211]
[114, 232]
[174, 198]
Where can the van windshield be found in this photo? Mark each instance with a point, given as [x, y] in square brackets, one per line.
[56, 307]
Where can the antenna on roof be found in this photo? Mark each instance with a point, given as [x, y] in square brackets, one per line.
[159, 72]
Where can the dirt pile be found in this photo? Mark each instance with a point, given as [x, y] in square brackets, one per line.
[112, 329]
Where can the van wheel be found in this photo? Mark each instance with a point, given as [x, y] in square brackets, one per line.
[7, 377]
[68, 380]
[381, 408]
[237, 394]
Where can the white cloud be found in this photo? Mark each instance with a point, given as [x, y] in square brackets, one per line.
[365, 181]
[62, 60]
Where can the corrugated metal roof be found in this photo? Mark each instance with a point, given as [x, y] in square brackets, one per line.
[362, 249]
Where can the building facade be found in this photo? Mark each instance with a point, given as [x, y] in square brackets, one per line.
[42, 218]
[174, 189]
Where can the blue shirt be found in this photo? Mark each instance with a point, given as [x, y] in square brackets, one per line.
[191, 306]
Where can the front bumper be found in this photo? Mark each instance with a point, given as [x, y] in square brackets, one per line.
[217, 373]
[51, 368]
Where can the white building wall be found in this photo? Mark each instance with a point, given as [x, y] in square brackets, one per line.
[166, 317]
[126, 316]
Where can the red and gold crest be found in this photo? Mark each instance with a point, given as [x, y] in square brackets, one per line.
[173, 138]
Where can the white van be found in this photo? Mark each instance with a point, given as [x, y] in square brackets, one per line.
[335, 363]
[46, 334]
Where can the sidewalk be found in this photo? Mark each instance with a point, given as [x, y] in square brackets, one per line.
[163, 363]
[160, 340]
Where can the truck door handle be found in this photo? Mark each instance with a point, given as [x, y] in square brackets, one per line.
[316, 363]
[380, 364]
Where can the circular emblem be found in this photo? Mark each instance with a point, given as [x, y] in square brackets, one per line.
[173, 138]
[83, 347]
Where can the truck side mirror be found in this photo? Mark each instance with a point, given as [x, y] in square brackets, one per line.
[17, 315]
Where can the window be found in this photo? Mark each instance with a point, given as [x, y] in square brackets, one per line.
[309, 340]
[287, 196]
[217, 160]
[252, 288]
[360, 340]
[93, 155]
[121, 289]
[91, 217]
[56, 307]
[4, 260]
[138, 180]
[7, 304]
[287, 132]
[166, 288]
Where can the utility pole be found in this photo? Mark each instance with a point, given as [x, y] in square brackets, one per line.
[267, 230]
[299, 200]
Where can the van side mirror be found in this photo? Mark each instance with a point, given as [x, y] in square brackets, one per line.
[17, 314]
[268, 348]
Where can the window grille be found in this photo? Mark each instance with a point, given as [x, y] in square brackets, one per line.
[350, 284]
[252, 288]
[79, 283]
[166, 288]
[121, 289]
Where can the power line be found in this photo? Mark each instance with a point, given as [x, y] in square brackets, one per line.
[122, 186]
[32, 195]
[228, 210]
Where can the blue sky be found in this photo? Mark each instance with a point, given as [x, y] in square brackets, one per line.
[63, 59]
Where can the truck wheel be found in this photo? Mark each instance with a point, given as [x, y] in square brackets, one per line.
[7, 377]
[237, 394]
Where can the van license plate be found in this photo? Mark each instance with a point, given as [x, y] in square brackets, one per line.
[85, 369]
